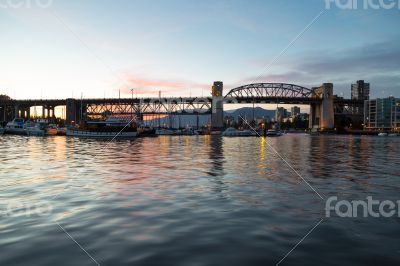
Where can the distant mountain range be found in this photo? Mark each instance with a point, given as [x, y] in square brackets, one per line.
[191, 120]
[247, 112]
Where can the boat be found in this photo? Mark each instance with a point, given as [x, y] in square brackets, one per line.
[108, 129]
[36, 129]
[393, 135]
[51, 130]
[146, 131]
[274, 133]
[383, 134]
[187, 132]
[61, 131]
[1, 131]
[101, 135]
[164, 132]
[314, 131]
[16, 127]
[232, 132]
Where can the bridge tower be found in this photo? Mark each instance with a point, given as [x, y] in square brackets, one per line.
[217, 116]
[322, 114]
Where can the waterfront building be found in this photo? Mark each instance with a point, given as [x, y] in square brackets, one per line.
[382, 114]
[360, 90]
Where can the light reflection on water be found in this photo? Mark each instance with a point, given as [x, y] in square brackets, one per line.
[195, 200]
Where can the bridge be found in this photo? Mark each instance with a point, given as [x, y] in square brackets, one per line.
[325, 108]
[324, 105]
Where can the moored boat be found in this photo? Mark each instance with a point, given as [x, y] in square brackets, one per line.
[51, 130]
[109, 129]
[314, 131]
[164, 132]
[187, 132]
[36, 129]
[61, 131]
[16, 127]
[232, 132]
[274, 133]
[101, 135]
[383, 134]
[146, 131]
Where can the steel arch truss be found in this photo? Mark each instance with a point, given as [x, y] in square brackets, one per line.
[270, 90]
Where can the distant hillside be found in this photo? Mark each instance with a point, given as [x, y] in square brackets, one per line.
[191, 120]
[248, 112]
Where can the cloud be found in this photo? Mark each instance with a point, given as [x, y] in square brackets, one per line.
[146, 86]
[377, 63]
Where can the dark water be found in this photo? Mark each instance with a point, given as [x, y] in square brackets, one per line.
[195, 201]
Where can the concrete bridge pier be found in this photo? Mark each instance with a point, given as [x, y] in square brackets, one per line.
[322, 114]
[52, 112]
[22, 112]
[71, 111]
[3, 113]
[27, 113]
[7, 113]
[16, 111]
[48, 112]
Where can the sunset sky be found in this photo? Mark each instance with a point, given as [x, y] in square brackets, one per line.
[99, 47]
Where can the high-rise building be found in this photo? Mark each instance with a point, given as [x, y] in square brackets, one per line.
[382, 114]
[295, 111]
[280, 114]
[360, 91]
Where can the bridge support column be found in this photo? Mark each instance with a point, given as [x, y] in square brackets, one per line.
[23, 113]
[217, 116]
[52, 111]
[3, 110]
[71, 111]
[322, 115]
[16, 111]
[28, 112]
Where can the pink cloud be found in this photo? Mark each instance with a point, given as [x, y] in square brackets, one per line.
[143, 85]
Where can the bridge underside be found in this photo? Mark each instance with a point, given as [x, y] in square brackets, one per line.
[140, 107]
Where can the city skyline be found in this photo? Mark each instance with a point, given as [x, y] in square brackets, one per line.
[71, 48]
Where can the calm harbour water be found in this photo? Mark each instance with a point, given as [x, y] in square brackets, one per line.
[195, 201]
